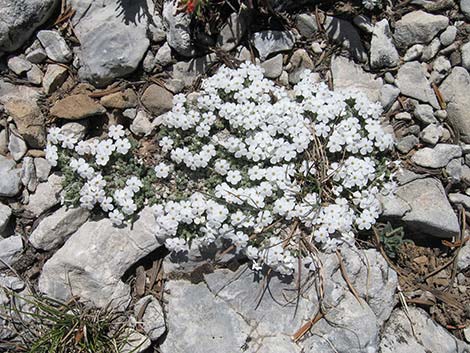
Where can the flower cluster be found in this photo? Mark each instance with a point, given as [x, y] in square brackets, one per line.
[253, 156]
[100, 173]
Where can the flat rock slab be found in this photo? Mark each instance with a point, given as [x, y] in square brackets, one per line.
[345, 33]
[76, 107]
[418, 27]
[20, 18]
[431, 212]
[272, 42]
[457, 95]
[436, 157]
[421, 335]
[348, 75]
[113, 37]
[245, 311]
[93, 260]
[412, 82]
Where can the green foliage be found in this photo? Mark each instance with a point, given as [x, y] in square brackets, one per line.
[392, 239]
[46, 325]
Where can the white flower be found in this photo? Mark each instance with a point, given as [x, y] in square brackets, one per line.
[116, 132]
[122, 146]
[116, 217]
[234, 177]
[107, 204]
[134, 183]
[162, 170]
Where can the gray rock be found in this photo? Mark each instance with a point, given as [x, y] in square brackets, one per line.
[10, 250]
[465, 8]
[55, 46]
[163, 56]
[412, 82]
[157, 100]
[465, 49]
[421, 335]
[18, 65]
[454, 169]
[75, 128]
[29, 120]
[382, 50]
[348, 75]
[431, 50]
[5, 214]
[36, 53]
[306, 24]
[10, 91]
[388, 95]
[430, 211]
[441, 65]
[17, 146]
[418, 27]
[273, 67]
[141, 125]
[47, 195]
[190, 71]
[448, 36]
[363, 23]
[436, 157]
[11, 282]
[272, 42]
[393, 207]
[414, 52]
[179, 34]
[20, 19]
[28, 174]
[407, 143]
[43, 169]
[113, 37]
[425, 114]
[403, 116]
[55, 229]
[431, 134]
[233, 31]
[153, 319]
[35, 75]
[135, 342]
[455, 92]
[157, 29]
[355, 332]
[93, 260]
[344, 32]
[10, 180]
[54, 77]
[214, 325]
[460, 199]
[149, 62]
[463, 257]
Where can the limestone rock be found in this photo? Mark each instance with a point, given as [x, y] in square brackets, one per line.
[382, 50]
[54, 230]
[430, 211]
[272, 42]
[76, 107]
[413, 83]
[20, 18]
[436, 157]
[457, 95]
[157, 100]
[55, 46]
[120, 100]
[10, 180]
[343, 32]
[93, 260]
[347, 74]
[10, 250]
[418, 27]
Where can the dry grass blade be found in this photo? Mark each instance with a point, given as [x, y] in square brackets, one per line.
[346, 278]
[307, 326]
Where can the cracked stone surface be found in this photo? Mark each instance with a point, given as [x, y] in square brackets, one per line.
[244, 311]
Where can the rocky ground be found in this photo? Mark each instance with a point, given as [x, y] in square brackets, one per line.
[84, 64]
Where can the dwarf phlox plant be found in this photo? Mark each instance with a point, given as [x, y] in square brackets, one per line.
[275, 173]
